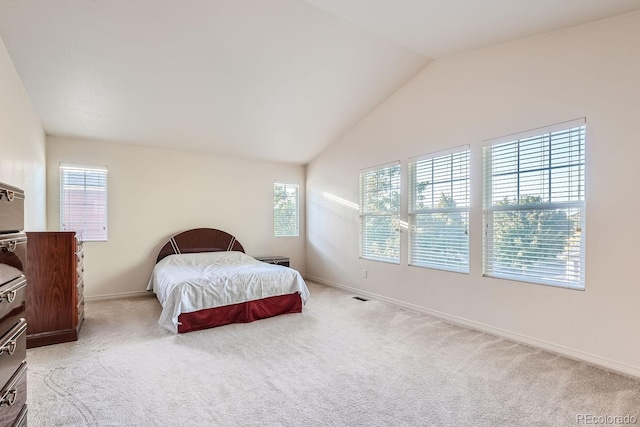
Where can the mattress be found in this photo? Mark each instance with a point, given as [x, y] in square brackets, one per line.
[187, 283]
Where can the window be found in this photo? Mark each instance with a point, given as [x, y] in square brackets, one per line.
[534, 203]
[83, 201]
[439, 211]
[285, 210]
[380, 213]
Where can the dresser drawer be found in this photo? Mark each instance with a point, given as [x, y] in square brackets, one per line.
[13, 256]
[80, 268]
[12, 302]
[80, 290]
[79, 259]
[11, 209]
[80, 311]
[13, 396]
[21, 421]
[13, 350]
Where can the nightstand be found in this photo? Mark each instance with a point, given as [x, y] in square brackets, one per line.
[277, 260]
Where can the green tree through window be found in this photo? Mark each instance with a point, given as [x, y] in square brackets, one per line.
[527, 237]
[380, 213]
[534, 202]
[285, 210]
[439, 211]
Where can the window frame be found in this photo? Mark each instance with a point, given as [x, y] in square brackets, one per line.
[575, 253]
[103, 213]
[393, 215]
[419, 256]
[277, 212]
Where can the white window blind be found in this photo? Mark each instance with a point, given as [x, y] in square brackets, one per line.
[534, 205]
[439, 211]
[83, 201]
[285, 210]
[380, 213]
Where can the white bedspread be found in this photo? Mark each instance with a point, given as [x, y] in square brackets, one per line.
[191, 282]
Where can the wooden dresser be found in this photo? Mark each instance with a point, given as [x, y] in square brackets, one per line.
[55, 298]
[13, 292]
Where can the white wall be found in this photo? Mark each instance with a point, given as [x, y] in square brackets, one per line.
[590, 71]
[22, 151]
[156, 193]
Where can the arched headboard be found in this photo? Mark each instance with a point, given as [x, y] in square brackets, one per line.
[200, 240]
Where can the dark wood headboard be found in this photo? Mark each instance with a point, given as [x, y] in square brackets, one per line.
[200, 240]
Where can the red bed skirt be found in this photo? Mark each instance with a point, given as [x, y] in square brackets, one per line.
[243, 312]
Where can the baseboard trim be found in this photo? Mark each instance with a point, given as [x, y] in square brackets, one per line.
[591, 359]
[52, 337]
[118, 296]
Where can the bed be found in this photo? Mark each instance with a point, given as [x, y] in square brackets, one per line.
[203, 279]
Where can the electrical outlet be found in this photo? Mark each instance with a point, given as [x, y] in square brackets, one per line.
[364, 273]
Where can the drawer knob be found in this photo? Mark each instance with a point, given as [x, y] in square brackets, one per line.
[10, 246]
[9, 397]
[10, 347]
[10, 296]
[9, 194]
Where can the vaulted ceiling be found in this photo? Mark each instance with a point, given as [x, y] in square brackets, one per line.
[267, 79]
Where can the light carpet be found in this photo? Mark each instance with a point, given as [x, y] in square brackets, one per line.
[342, 362]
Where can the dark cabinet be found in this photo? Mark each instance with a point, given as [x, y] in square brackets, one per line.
[55, 297]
